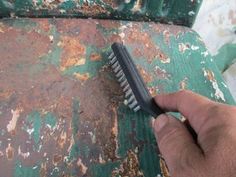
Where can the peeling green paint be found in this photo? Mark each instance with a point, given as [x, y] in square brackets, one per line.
[34, 119]
[23, 171]
[50, 120]
[226, 56]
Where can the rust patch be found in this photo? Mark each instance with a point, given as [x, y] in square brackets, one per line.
[95, 57]
[98, 114]
[109, 24]
[92, 10]
[161, 73]
[5, 94]
[56, 159]
[166, 30]
[82, 77]
[25, 50]
[87, 34]
[129, 166]
[83, 168]
[111, 147]
[145, 47]
[9, 152]
[73, 52]
[210, 75]
[62, 139]
[147, 77]
[153, 91]
[43, 170]
[42, 24]
[2, 28]
[164, 168]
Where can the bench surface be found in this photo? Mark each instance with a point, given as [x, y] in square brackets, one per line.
[61, 109]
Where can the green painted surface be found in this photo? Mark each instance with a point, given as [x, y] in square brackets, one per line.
[182, 12]
[226, 56]
[72, 119]
[29, 171]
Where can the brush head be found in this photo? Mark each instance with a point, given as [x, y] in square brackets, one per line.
[136, 93]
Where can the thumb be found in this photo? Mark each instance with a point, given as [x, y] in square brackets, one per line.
[176, 144]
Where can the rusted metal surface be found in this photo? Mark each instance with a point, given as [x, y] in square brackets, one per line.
[61, 109]
[182, 12]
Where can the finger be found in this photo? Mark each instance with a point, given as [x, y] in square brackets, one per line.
[193, 106]
[176, 144]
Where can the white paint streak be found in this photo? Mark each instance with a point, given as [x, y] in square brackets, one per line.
[218, 93]
[183, 47]
[12, 123]
[82, 166]
[194, 47]
[24, 155]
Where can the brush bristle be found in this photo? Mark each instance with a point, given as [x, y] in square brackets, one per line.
[129, 95]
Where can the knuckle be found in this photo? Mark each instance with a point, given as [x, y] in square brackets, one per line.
[184, 93]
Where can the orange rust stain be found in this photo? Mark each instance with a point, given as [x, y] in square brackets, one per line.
[108, 24]
[153, 91]
[56, 159]
[95, 57]
[43, 24]
[10, 152]
[161, 73]
[2, 28]
[147, 77]
[168, 30]
[73, 52]
[62, 139]
[87, 34]
[43, 170]
[83, 168]
[129, 166]
[164, 168]
[210, 75]
[146, 48]
[82, 77]
[5, 94]
[92, 10]
[25, 50]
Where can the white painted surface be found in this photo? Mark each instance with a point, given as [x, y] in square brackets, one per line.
[216, 24]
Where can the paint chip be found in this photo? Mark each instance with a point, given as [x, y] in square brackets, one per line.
[15, 116]
[82, 166]
[82, 77]
[211, 77]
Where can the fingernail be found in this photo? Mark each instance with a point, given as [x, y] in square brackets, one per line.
[160, 122]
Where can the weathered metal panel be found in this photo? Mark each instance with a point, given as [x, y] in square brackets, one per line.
[61, 108]
[182, 12]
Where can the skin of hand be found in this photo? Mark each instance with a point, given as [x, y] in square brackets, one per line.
[213, 154]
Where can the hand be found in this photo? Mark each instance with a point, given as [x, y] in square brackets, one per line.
[213, 154]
